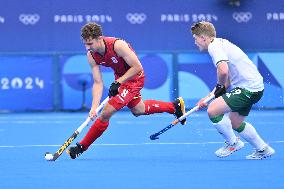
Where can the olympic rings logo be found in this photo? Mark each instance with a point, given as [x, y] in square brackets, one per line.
[242, 16]
[136, 18]
[29, 19]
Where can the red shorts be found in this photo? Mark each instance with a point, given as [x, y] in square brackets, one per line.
[128, 94]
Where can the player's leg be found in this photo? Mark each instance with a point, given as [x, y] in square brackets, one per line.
[98, 127]
[241, 101]
[249, 133]
[148, 107]
[217, 112]
[95, 131]
[139, 107]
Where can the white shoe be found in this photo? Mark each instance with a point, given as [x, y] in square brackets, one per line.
[228, 149]
[262, 154]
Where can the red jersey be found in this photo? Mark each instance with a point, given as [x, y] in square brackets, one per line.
[111, 59]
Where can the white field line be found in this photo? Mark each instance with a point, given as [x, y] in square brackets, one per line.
[34, 116]
[126, 144]
[142, 122]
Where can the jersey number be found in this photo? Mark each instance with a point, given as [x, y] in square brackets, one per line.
[235, 92]
[124, 93]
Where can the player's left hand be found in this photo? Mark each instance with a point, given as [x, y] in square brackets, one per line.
[113, 89]
[201, 104]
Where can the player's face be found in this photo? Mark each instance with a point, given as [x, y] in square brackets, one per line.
[92, 44]
[200, 42]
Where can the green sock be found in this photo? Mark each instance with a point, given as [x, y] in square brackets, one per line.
[241, 127]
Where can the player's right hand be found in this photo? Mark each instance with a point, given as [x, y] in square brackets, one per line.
[219, 90]
[92, 113]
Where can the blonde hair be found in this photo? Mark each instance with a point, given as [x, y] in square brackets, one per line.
[203, 28]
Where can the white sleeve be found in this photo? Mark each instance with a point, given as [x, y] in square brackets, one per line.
[216, 52]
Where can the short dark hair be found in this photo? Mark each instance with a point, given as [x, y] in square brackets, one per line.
[91, 30]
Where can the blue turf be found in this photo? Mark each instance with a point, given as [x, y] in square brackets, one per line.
[125, 158]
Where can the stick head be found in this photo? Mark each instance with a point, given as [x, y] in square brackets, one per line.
[154, 137]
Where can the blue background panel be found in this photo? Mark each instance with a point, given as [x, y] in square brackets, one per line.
[158, 69]
[190, 75]
[196, 76]
[26, 83]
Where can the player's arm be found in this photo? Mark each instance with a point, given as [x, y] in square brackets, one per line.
[222, 79]
[97, 89]
[222, 73]
[122, 49]
[220, 59]
[222, 82]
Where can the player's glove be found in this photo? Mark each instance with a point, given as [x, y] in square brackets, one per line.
[113, 89]
[219, 90]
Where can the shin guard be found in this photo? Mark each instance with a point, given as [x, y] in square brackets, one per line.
[154, 106]
[95, 131]
[223, 125]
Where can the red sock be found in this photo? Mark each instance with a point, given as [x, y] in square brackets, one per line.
[95, 131]
[154, 106]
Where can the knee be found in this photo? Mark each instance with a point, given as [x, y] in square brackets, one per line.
[210, 112]
[105, 116]
[217, 119]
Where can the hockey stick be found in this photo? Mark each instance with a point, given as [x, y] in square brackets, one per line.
[77, 132]
[155, 135]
